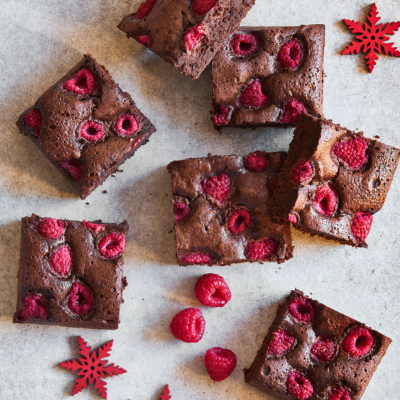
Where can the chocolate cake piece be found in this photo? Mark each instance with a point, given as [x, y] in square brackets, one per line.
[71, 273]
[185, 33]
[86, 125]
[314, 352]
[268, 76]
[333, 181]
[221, 206]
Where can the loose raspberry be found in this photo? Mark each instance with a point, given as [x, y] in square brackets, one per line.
[281, 343]
[302, 172]
[302, 309]
[262, 250]
[244, 44]
[193, 36]
[112, 245]
[325, 200]
[81, 83]
[34, 306]
[144, 9]
[292, 218]
[188, 325]
[145, 40]
[217, 187]
[126, 125]
[361, 225]
[181, 211]
[92, 131]
[290, 54]
[340, 394]
[255, 162]
[224, 117]
[73, 168]
[201, 7]
[239, 221]
[195, 258]
[292, 111]
[60, 262]
[51, 228]
[95, 227]
[33, 119]
[358, 342]
[220, 363]
[352, 152]
[80, 300]
[299, 386]
[253, 96]
[324, 350]
[211, 290]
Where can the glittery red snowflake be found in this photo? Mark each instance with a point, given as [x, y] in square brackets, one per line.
[372, 38]
[92, 368]
[165, 394]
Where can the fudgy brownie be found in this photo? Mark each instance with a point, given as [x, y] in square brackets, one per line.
[71, 273]
[86, 125]
[185, 33]
[269, 76]
[314, 352]
[221, 206]
[333, 181]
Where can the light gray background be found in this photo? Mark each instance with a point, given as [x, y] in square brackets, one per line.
[40, 40]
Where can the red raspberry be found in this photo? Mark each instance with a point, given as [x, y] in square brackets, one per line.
[144, 9]
[181, 211]
[361, 225]
[95, 227]
[325, 200]
[324, 350]
[253, 96]
[352, 152]
[262, 250]
[33, 119]
[340, 394]
[193, 36]
[112, 245]
[224, 117]
[188, 325]
[80, 300]
[358, 342]
[73, 168]
[195, 258]
[60, 262]
[220, 363]
[217, 187]
[92, 131]
[281, 343]
[211, 290]
[299, 386]
[255, 162]
[81, 83]
[51, 228]
[33, 307]
[302, 172]
[126, 125]
[302, 309]
[292, 111]
[145, 40]
[290, 54]
[239, 221]
[201, 7]
[292, 218]
[244, 44]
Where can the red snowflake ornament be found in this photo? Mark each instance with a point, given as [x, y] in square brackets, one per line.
[372, 38]
[165, 394]
[92, 368]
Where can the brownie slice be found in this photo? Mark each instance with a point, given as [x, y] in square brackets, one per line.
[185, 33]
[268, 76]
[333, 181]
[221, 206]
[71, 273]
[314, 352]
[86, 125]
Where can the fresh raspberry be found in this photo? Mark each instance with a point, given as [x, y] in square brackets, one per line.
[352, 152]
[358, 342]
[193, 36]
[224, 117]
[144, 9]
[33, 307]
[211, 290]
[112, 245]
[255, 162]
[302, 172]
[195, 258]
[217, 187]
[299, 386]
[33, 119]
[60, 262]
[81, 83]
[126, 125]
[290, 54]
[51, 228]
[73, 168]
[292, 218]
[188, 325]
[281, 343]
[220, 363]
[145, 40]
[262, 250]
[302, 309]
[181, 211]
[95, 227]
[340, 394]
[324, 350]
[80, 300]
[325, 200]
[292, 111]
[92, 131]
[361, 225]
[244, 44]
[201, 7]
[253, 96]
[239, 221]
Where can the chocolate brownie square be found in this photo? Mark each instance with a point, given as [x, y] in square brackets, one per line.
[71, 273]
[86, 125]
[314, 352]
[185, 33]
[221, 206]
[333, 181]
[269, 76]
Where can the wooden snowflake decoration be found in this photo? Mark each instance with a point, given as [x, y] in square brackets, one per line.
[372, 38]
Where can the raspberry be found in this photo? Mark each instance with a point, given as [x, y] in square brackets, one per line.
[95, 227]
[33, 119]
[325, 200]
[224, 117]
[292, 218]
[144, 9]
[324, 350]
[255, 162]
[33, 307]
[253, 96]
[302, 309]
[302, 172]
[217, 187]
[81, 83]
[211, 290]
[181, 211]
[239, 221]
[281, 343]
[340, 394]
[73, 168]
[262, 249]
[244, 45]
[299, 386]
[60, 262]
[126, 125]
[352, 152]
[358, 342]
[195, 258]
[220, 363]
[92, 131]
[292, 111]
[188, 325]
[80, 300]
[112, 245]
[144, 40]
[51, 228]
[193, 36]
[290, 54]
[361, 225]
[201, 7]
